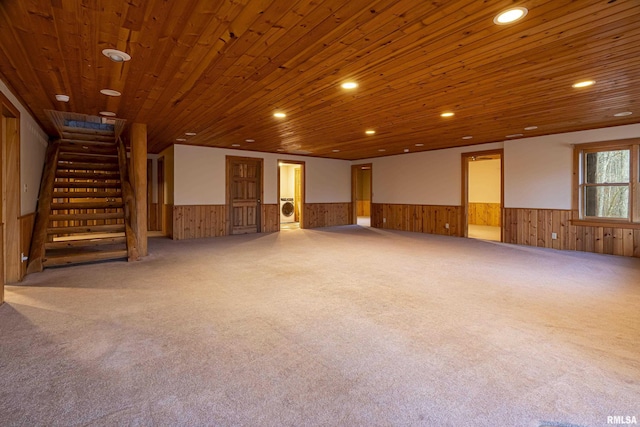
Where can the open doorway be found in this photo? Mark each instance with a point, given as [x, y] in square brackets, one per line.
[361, 183]
[483, 194]
[291, 196]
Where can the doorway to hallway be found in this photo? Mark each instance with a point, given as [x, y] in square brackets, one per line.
[483, 194]
[361, 193]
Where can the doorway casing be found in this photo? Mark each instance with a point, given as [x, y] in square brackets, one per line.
[300, 197]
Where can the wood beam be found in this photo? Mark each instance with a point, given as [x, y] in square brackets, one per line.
[138, 138]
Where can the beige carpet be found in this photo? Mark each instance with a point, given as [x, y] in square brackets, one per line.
[346, 326]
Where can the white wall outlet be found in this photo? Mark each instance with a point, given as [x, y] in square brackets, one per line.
[554, 236]
[446, 226]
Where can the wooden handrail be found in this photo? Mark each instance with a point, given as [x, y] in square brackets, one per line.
[129, 204]
[39, 238]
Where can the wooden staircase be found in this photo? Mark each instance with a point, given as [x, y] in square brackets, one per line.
[85, 204]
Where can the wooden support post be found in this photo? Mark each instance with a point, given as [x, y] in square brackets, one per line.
[138, 138]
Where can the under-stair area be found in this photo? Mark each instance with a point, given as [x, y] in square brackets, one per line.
[82, 213]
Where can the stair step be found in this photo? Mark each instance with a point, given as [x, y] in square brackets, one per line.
[86, 184]
[87, 131]
[90, 143]
[86, 242]
[87, 205]
[88, 166]
[69, 147]
[88, 158]
[82, 257]
[89, 175]
[87, 216]
[87, 194]
[87, 229]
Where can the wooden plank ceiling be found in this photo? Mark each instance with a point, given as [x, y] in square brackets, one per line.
[221, 69]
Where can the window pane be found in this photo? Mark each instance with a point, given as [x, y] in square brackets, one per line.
[607, 201]
[607, 167]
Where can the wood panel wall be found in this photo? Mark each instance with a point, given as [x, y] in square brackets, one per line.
[363, 208]
[326, 214]
[198, 221]
[26, 231]
[484, 214]
[167, 218]
[430, 219]
[533, 227]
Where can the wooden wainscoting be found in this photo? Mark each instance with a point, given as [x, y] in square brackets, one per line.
[270, 218]
[326, 214]
[167, 218]
[484, 214]
[533, 227]
[154, 219]
[419, 218]
[26, 230]
[198, 221]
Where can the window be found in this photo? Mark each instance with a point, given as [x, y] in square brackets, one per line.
[608, 181]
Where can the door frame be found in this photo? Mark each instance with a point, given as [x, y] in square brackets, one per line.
[260, 175]
[10, 188]
[465, 187]
[354, 190]
[303, 181]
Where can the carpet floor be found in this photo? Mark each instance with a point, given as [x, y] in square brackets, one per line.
[344, 326]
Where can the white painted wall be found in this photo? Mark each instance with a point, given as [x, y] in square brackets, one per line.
[537, 171]
[288, 181]
[427, 178]
[199, 176]
[33, 147]
[484, 181]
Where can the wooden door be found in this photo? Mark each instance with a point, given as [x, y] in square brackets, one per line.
[244, 194]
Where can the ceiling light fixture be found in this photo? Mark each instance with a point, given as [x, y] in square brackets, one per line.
[110, 92]
[116, 55]
[623, 114]
[419, 145]
[349, 85]
[382, 150]
[190, 133]
[62, 98]
[336, 151]
[467, 137]
[235, 145]
[370, 132]
[406, 150]
[531, 128]
[107, 113]
[510, 16]
[585, 83]
[514, 135]
[279, 115]
[447, 114]
[181, 139]
[249, 140]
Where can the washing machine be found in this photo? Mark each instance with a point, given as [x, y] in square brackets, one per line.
[287, 209]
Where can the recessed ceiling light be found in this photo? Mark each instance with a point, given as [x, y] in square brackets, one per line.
[107, 113]
[349, 85]
[181, 139]
[623, 114]
[584, 83]
[62, 98]
[116, 55]
[447, 114]
[381, 150]
[531, 128]
[406, 150]
[235, 145]
[467, 137]
[514, 135]
[190, 133]
[510, 15]
[370, 132]
[419, 145]
[110, 92]
[280, 149]
[336, 151]
[249, 140]
[279, 115]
